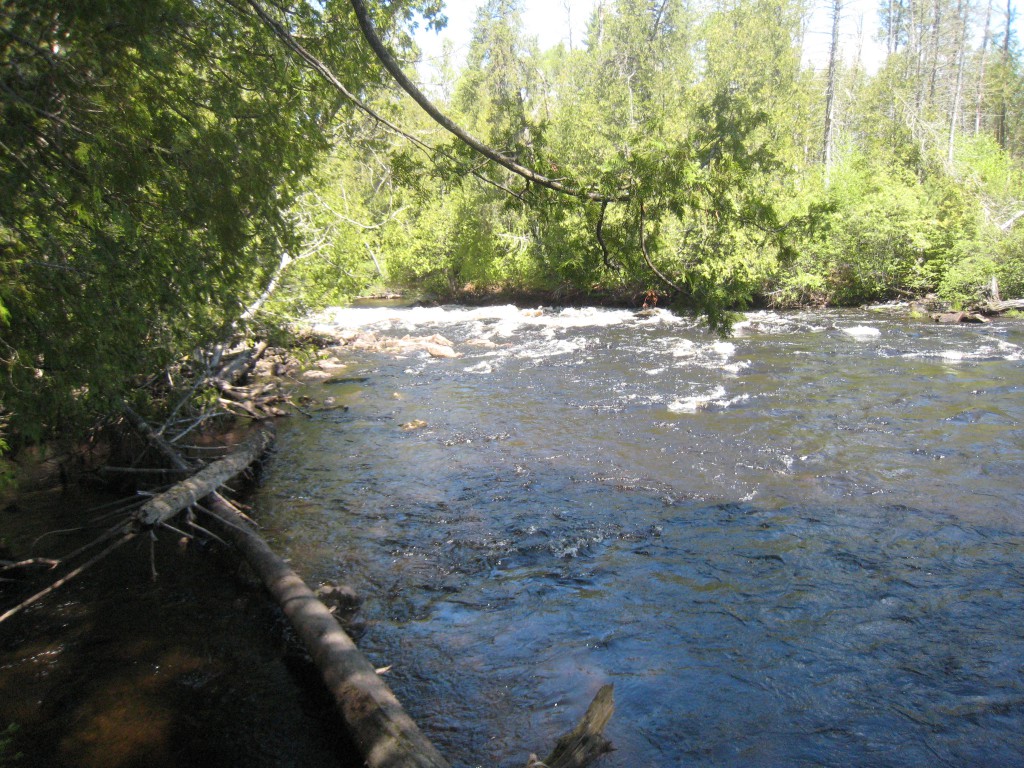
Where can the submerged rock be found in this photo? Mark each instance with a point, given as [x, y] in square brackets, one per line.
[315, 374]
[339, 596]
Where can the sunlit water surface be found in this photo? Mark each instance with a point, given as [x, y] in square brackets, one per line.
[798, 546]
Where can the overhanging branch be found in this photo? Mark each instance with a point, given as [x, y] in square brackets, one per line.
[325, 72]
[395, 70]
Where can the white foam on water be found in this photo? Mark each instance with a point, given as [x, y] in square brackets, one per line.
[694, 403]
[657, 317]
[766, 322]
[723, 348]
[762, 322]
[1002, 350]
[504, 319]
[551, 348]
[591, 317]
[685, 348]
[482, 367]
[714, 356]
[735, 368]
[1010, 352]
[862, 332]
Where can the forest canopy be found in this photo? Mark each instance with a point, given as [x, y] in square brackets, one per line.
[165, 163]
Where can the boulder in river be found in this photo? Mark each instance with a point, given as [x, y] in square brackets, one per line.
[959, 317]
[339, 596]
[439, 350]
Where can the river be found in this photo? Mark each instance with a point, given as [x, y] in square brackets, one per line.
[797, 546]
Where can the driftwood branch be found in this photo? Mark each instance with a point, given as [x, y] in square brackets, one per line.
[32, 562]
[161, 508]
[998, 307]
[157, 441]
[586, 742]
[68, 577]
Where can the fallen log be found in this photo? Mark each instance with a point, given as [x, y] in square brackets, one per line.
[997, 307]
[384, 733]
[204, 482]
[239, 368]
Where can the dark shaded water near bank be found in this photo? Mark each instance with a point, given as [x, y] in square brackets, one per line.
[800, 546]
[116, 670]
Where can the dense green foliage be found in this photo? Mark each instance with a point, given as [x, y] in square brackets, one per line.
[702, 123]
[166, 163]
[151, 153]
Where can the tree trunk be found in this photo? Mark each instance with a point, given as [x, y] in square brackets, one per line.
[830, 90]
[980, 95]
[963, 14]
[1001, 114]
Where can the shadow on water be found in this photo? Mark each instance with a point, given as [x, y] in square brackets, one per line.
[193, 669]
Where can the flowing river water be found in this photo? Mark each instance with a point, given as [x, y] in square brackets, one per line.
[799, 546]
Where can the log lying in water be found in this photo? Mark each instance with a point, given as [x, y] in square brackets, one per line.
[162, 508]
[584, 743]
[384, 733]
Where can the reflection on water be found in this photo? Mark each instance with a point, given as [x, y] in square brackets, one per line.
[799, 546]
